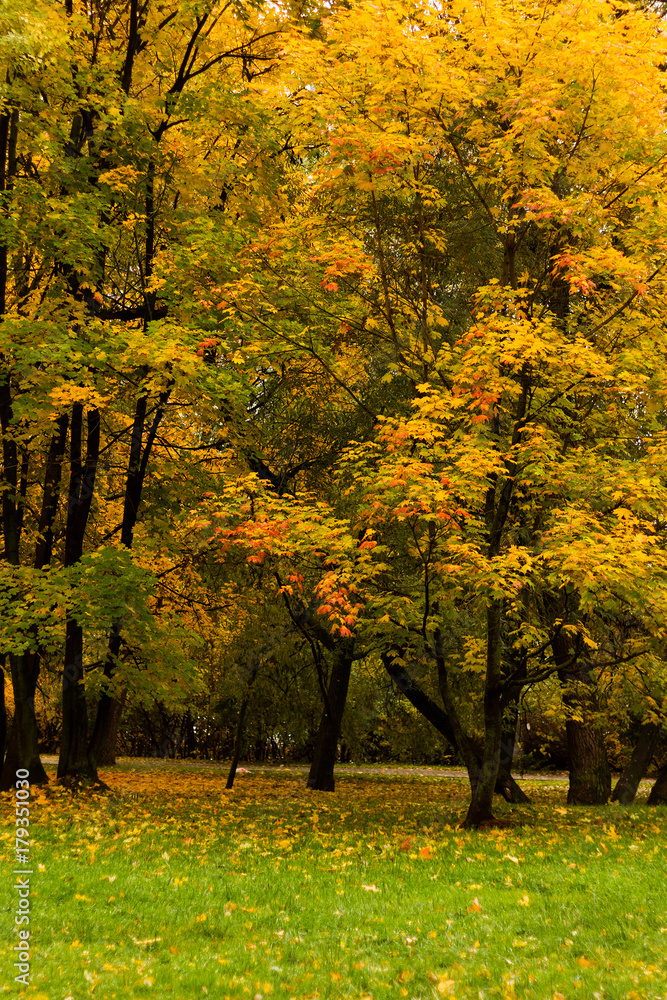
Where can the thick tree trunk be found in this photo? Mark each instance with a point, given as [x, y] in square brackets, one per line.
[106, 749]
[73, 761]
[321, 776]
[25, 725]
[28, 668]
[103, 737]
[590, 775]
[658, 794]
[628, 783]
[25, 722]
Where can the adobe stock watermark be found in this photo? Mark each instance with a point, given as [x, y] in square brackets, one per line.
[23, 873]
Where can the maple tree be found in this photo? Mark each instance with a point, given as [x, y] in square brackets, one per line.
[516, 482]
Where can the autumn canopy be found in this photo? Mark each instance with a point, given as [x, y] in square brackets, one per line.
[332, 359]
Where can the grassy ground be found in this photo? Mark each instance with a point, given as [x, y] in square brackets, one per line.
[173, 887]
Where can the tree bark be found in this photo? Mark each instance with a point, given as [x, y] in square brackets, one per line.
[481, 805]
[106, 752]
[237, 743]
[628, 783]
[321, 776]
[75, 762]
[658, 794]
[505, 783]
[3, 715]
[590, 775]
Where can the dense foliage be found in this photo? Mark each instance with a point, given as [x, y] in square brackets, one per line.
[331, 371]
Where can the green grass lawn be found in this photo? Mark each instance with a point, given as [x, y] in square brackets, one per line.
[173, 887]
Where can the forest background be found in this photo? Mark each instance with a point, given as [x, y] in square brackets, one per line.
[332, 386]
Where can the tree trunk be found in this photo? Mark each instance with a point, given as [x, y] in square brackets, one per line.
[75, 762]
[3, 715]
[505, 783]
[105, 731]
[658, 795]
[628, 783]
[237, 743]
[321, 776]
[106, 748]
[590, 775]
[25, 725]
[481, 805]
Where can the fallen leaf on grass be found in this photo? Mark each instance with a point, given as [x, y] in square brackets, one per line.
[370, 888]
[445, 986]
[474, 906]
